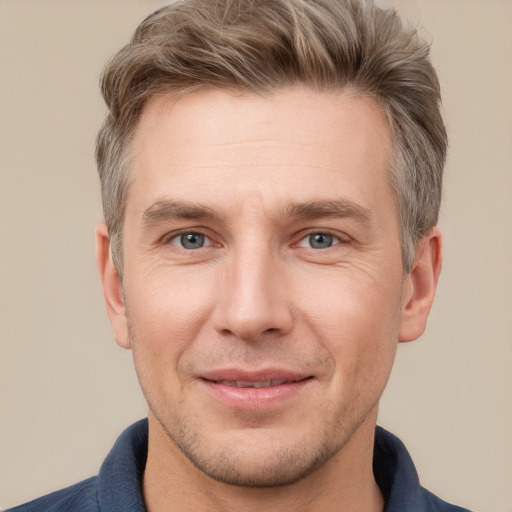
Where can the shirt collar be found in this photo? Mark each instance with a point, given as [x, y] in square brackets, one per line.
[120, 476]
[395, 474]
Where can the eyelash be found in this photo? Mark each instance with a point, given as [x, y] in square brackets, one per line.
[175, 236]
[337, 239]
[173, 239]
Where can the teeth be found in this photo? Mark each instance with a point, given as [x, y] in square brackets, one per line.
[248, 384]
[262, 384]
[245, 384]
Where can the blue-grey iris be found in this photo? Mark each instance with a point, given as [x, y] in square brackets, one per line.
[321, 240]
[192, 240]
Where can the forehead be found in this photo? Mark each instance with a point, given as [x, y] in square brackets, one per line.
[294, 141]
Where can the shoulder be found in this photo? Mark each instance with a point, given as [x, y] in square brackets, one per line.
[436, 504]
[118, 485]
[398, 480]
[80, 496]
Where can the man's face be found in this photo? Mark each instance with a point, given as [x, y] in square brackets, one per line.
[263, 280]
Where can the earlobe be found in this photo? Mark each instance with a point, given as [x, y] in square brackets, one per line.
[420, 286]
[112, 287]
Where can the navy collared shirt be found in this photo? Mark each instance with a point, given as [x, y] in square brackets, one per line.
[118, 486]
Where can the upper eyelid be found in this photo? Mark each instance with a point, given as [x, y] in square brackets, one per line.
[185, 231]
[337, 240]
[174, 240]
[341, 236]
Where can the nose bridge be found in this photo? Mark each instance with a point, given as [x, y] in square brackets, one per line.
[252, 301]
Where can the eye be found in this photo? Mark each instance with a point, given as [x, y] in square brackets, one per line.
[319, 241]
[191, 240]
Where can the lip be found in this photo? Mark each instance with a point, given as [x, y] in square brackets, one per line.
[284, 385]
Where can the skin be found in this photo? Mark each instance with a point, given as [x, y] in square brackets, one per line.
[299, 273]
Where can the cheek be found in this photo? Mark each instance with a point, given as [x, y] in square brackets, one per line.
[357, 321]
[168, 301]
[165, 315]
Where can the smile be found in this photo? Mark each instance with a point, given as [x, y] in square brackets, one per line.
[257, 384]
[240, 390]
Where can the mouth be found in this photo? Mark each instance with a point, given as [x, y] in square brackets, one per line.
[260, 390]
[256, 384]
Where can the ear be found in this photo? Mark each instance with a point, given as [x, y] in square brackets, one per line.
[420, 286]
[112, 287]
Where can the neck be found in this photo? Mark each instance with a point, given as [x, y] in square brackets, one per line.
[172, 483]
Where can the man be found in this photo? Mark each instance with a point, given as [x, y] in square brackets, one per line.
[271, 177]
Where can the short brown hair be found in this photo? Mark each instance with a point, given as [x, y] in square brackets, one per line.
[262, 46]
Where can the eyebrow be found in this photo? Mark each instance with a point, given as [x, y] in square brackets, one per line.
[339, 208]
[168, 210]
[164, 211]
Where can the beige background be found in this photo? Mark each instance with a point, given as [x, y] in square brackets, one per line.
[66, 390]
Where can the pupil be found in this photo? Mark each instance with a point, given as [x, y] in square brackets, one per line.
[320, 241]
[192, 240]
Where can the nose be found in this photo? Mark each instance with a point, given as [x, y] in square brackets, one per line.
[254, 300]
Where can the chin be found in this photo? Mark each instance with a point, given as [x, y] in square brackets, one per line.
[254, 457]
[283, 467]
